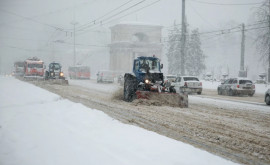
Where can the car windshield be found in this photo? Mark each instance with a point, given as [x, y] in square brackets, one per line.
[245, 82]
[57, 66]
[35, 65]
[191, 79]
[171, 77]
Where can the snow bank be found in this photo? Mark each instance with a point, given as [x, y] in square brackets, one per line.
[16, 93]
[42, 129]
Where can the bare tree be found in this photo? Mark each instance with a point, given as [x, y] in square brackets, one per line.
[263, 31]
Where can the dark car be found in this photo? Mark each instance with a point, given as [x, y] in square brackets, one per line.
[236, 86]
[267, 97]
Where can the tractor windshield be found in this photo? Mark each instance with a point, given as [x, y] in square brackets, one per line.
[152, 65]
[55, 66]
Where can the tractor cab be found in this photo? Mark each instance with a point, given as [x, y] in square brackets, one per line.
[147, 68]
[54, 71]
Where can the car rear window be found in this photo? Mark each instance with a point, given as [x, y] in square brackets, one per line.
[191, 79]
[245, 82]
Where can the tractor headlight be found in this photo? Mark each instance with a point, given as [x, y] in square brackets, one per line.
[61, 74]
[147, 81]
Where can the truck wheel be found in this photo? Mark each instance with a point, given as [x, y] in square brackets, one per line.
[129, 91]
[267, 100]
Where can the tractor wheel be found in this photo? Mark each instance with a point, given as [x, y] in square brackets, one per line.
[172, 90]
[129, 90]
[267, 100]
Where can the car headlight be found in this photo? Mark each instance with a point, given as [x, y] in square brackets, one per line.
[147, 81]
[61, 74]
[51, 74]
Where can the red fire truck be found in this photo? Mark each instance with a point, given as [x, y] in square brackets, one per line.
[34, 67]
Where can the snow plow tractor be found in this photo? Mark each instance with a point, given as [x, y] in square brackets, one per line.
[146, 82]
[55, 75]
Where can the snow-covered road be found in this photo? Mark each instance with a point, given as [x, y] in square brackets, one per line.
[40, 128]
[231, 129]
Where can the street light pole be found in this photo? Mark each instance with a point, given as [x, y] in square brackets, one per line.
[74, 42]
[183, 40]
[269, 44]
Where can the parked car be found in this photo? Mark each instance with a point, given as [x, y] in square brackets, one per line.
[267, 97]
[105, 76]
[236, 86]
[170, 78]
[260, 81]
[189, 84]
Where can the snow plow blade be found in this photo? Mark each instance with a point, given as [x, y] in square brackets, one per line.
[58, 81]
[170, 99]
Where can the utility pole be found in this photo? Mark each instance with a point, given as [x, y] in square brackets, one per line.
[74, 23]
[183, 40]
[242, 72]
[269, 44]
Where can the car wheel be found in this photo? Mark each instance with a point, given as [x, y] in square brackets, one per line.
[199, 93]
[267, 100]
[251, 94]
[230, 92]
[219, 91]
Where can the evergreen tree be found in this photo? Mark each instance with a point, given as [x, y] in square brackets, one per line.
[195, 58]
[174, 50]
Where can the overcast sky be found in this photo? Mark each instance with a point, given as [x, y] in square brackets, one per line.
[34, 27]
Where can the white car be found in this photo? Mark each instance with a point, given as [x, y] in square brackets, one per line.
[170, 78]
[189, 84]
[105, 76]
[236, 86]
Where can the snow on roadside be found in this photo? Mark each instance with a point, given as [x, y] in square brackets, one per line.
[92, 84]
[226, 104]
[25, 93]
[43, 129]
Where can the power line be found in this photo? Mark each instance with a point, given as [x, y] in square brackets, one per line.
[117, 13]
[32, 20]
[129, 13]
[228, 32]
[227, 4]
[90, 45]
[52, 12]
[105, 14]
[205, 20]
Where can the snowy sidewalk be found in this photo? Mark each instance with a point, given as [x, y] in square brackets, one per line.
[40, 128]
